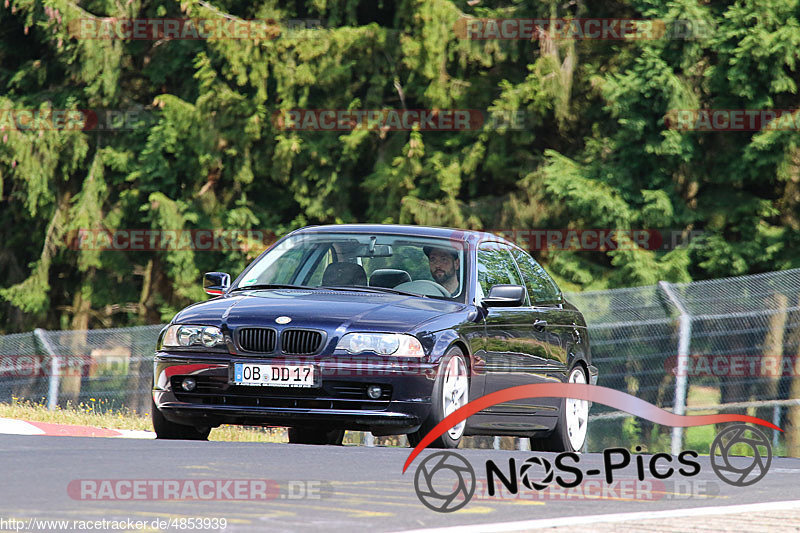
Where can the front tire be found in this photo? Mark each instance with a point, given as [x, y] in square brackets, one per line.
[450, 392]
[171, 431]
[316, 436]
[569, 434]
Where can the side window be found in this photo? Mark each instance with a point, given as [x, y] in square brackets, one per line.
[541, 287]
[495, 267]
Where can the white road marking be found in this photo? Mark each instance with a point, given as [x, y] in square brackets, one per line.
[10, 426]
[135, 434]
[524, 525]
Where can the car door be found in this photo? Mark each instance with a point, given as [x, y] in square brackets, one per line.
[546, 306]
[516, 345]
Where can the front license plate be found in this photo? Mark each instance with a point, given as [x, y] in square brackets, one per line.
[273, 375]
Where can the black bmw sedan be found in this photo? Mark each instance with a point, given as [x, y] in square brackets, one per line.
[379, 328]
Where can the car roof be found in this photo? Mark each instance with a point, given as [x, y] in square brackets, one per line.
[402, 229]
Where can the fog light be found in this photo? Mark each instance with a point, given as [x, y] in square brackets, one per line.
[374, 392]
[188, 384]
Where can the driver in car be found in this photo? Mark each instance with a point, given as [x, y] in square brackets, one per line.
[444, 264]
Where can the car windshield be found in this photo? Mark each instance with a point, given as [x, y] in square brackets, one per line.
[385, 263]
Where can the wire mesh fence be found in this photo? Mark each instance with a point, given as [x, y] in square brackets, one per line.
[734, 343]
[728, 345]
[60, 367]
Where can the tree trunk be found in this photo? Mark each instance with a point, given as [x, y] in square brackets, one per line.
[772, 358]
[793, 415]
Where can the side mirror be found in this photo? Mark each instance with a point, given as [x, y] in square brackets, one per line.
[505, 296]
[216, 283]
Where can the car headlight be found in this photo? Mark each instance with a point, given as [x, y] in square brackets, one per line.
[185, 336]
[382, 344]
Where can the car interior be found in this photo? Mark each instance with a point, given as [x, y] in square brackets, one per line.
[389, 278]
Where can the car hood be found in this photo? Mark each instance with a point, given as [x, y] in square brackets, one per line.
[331, 310]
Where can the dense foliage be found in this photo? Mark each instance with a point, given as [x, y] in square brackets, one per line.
[594, 150]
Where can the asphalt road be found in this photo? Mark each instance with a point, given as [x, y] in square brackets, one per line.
[350, 488]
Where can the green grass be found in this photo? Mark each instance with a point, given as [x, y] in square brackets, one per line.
[699, 438]
[93, 413]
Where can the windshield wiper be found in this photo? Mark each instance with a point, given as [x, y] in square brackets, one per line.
[365, 288]
[272, 286]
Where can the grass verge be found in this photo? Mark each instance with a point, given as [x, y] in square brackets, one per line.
[100, 413]
[97, 413]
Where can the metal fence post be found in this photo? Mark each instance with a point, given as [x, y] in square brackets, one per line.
[681, 378]
[55, 371]
[776, 419]
[367, 439]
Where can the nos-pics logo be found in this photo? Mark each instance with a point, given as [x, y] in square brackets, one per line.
[445, 481]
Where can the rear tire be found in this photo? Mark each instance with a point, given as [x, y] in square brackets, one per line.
[569, 435]
[450, 392]
[171, 431]
[316, 436]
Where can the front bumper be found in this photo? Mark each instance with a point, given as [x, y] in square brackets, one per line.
[338, 399]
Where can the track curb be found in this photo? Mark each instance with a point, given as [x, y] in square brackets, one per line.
[11, 426]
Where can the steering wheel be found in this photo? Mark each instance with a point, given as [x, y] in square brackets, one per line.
[425, 287]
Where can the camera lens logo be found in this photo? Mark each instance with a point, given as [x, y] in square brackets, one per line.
[526, 475]
[745, 470]
[444, 482]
